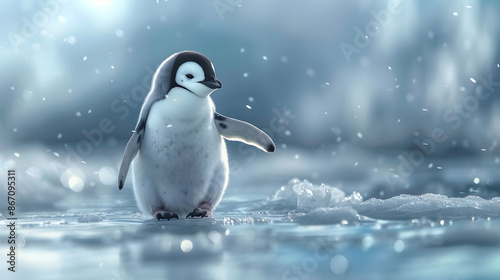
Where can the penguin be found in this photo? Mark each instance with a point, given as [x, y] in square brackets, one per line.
[177, 150]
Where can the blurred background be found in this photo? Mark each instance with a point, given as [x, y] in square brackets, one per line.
[362, 93]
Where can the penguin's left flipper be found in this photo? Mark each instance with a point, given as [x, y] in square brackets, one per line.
[133, 145]
[236, 130]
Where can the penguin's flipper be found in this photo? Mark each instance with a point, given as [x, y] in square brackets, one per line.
[236, 130]
[133, 145]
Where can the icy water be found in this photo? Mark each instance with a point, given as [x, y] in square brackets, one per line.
[263, 229]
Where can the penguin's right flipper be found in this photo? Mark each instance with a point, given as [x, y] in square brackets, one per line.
[233, 129]
[133, 145]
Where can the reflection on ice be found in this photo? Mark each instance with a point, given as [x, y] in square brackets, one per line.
[99, 230]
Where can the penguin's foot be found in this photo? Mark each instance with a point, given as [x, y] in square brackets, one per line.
[165, 215]
[200, 212]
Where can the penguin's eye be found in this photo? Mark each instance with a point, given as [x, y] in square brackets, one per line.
[189, 76]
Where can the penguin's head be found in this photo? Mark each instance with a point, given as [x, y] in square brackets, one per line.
[194, 72]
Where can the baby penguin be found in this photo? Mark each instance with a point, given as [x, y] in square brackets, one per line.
[179, 155]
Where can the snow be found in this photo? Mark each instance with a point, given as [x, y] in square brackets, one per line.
[107, 175]
[186, 246]
[399, 246]
[119, 33]
[71, 40]
[76, 183]
[339, 264]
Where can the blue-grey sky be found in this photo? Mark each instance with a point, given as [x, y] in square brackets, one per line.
[378, 74]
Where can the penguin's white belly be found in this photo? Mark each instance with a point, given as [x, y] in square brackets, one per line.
[180, 165]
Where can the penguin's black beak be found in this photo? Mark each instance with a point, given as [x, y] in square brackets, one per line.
[212, 83]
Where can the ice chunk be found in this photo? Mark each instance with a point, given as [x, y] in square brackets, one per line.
[308, 196]
[320, 204]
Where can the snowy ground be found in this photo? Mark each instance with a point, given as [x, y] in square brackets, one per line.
[268, 226]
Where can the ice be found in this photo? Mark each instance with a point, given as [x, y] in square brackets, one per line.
[325, 204]
[307, 196]
[71, 40]
[119, 33]
[90, 219]
[429, 205]
[329, 215]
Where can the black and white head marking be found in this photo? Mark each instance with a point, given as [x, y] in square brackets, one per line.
[194, 72]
